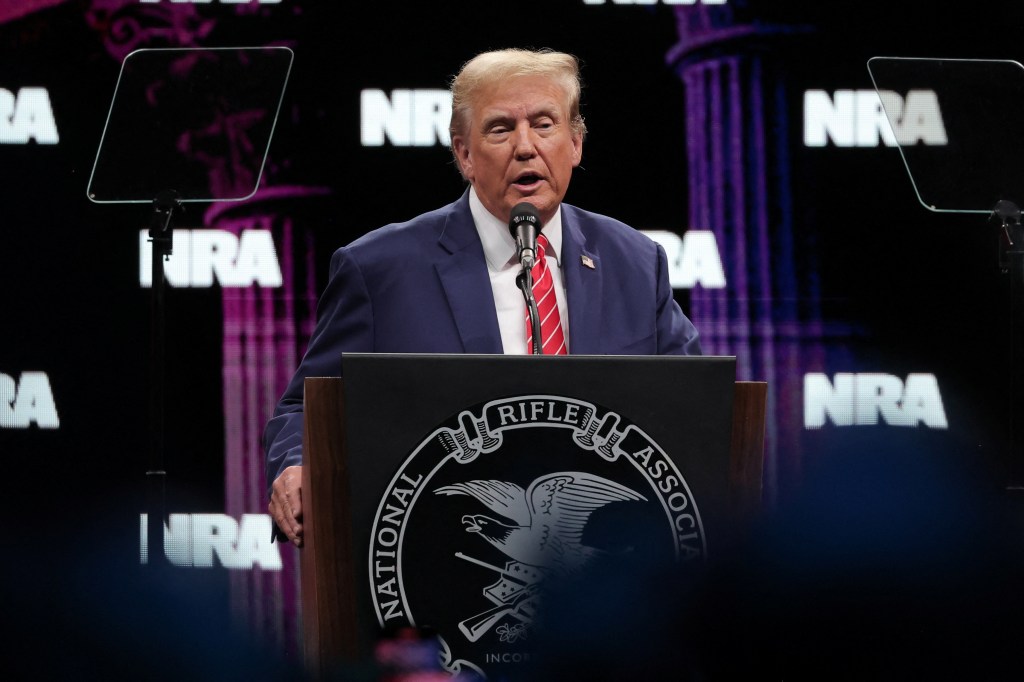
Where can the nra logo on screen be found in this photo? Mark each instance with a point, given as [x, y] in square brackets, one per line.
[406, 118]
[27, 401]
[26, 116]
[207, 2]
[871, 398]
[693, 259]
[857, 118]
[208, 540]
[655, 2]
[202, 257]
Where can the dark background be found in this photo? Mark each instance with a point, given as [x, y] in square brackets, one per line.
[916, 291]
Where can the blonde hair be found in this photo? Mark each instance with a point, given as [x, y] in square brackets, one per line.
[490, 68]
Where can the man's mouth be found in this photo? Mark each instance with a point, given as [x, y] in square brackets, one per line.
[527, 180]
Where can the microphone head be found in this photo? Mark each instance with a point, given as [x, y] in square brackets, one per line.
[524, 212]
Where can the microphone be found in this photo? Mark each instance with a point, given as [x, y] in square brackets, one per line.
[524, 225]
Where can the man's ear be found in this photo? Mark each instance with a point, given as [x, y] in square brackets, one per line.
[577, 149]
[462, 157]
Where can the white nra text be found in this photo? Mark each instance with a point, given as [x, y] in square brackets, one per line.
[857, 118]
[408, 118]
[865, 399]
[27, 401]
[194, 540]
[655, 2]
[202, 257]
[207, 2]
[27, 116]
[693, 259]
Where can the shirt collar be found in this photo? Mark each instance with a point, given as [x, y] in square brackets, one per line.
[499, 247]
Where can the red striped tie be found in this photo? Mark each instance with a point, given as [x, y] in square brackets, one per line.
[547, 306]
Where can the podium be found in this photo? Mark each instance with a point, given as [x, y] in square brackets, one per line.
[444, 490]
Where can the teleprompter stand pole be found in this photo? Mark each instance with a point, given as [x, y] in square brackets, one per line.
[165, 205]
[1011, 261]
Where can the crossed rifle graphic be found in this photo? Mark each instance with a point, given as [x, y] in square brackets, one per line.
[514, 594]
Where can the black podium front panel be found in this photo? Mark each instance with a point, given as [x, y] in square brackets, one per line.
[480, 483]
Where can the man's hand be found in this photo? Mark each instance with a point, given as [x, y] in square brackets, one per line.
[286, 503]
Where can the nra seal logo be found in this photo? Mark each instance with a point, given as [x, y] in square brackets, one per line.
[509, 496]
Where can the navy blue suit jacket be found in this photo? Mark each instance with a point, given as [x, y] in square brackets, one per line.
[423, 287]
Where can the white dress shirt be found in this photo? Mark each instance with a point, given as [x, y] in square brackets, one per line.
[503, 267]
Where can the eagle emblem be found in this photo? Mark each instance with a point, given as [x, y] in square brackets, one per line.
[540, 531]
[543, 525]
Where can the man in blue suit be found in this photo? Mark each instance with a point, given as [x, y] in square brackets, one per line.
[444, 282]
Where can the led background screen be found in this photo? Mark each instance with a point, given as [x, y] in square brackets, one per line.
[750, 126]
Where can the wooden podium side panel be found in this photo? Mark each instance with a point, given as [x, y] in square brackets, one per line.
[746, 463]
[327, 570]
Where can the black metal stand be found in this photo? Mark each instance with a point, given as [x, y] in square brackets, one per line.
[1011, 261]
[525, 282]
[165, 205]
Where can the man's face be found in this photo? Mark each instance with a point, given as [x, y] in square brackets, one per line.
[520, 146]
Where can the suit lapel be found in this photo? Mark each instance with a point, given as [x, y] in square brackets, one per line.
[463, 275]
[583, 287]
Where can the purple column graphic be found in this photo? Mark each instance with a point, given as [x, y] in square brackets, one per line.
[739, 149]
[265, 331]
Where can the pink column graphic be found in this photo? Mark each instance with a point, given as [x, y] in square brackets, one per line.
[265, 332]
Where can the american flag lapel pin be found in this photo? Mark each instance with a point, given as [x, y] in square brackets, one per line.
[588, 262]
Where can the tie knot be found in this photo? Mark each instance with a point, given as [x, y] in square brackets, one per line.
[542, 246]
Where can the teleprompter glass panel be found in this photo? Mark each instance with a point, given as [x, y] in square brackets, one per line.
[195, 121]
[959, 124]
